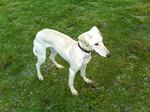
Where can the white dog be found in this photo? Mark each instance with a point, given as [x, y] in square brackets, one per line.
[76, 53]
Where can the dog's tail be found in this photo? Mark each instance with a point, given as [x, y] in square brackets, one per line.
[34, 51]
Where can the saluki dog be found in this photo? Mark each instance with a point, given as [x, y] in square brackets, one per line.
[76, 53]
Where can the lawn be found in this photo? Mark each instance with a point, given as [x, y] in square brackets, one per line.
[120, 83]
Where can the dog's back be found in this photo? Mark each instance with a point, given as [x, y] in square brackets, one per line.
[60, 42]
[51, 36]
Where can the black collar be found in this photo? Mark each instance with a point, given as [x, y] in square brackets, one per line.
[83, 49]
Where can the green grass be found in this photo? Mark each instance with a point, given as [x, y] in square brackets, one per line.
[121, 83]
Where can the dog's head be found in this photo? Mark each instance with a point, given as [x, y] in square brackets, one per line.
[93, 40]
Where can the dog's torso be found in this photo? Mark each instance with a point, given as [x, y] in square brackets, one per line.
[64, 46]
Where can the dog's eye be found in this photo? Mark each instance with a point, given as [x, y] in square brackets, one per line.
[96, 44]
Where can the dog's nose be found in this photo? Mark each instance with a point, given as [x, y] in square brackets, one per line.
[108, 55]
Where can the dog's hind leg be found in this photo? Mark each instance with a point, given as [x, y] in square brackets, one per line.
[83, 74]
[52, 58]
[41, 54]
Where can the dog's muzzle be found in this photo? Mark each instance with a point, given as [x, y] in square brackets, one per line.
[108, 55]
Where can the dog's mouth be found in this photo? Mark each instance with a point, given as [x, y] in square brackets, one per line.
[103, 52]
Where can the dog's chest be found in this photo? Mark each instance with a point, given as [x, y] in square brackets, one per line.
[86, 59]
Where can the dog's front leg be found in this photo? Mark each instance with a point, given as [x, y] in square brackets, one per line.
[72, 74]
[83, 74]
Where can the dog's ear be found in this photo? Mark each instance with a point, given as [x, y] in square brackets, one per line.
[94, 28]
[82, 38]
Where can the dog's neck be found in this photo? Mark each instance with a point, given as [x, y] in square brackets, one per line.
[84, 48]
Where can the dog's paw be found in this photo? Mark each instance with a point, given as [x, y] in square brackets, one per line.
[74, 92]
[41, 77]
[88, 81]
[59, 66]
